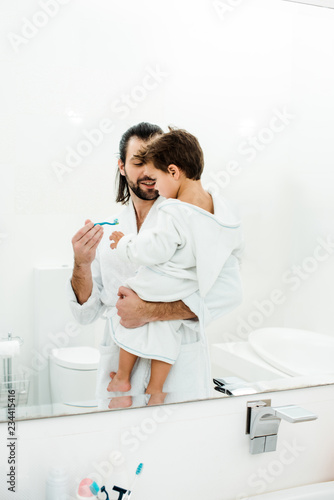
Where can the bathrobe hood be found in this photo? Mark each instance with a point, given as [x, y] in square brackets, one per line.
[215, 237]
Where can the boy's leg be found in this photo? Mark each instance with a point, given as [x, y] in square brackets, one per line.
[121, 381]
[159, 373]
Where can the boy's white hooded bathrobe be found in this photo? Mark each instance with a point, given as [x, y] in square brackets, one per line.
[210, 290]
[182, 254]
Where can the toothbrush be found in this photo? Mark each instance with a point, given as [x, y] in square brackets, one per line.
[107, 223]
[128, 494]
[95, 489]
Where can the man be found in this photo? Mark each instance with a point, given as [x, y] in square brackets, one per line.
[97, 286]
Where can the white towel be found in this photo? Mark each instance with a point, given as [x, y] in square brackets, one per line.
[9, 348]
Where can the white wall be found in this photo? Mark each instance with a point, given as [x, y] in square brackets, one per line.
[190, 450]
[222, 74]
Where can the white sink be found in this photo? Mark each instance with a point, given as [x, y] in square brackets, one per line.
[239, 359]
[295, 352]
[320, 491]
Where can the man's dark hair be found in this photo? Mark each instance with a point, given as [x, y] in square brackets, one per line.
[177, 147]
[144, 131]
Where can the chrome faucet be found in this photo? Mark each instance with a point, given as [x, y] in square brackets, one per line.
[234, 386]
[264, 422]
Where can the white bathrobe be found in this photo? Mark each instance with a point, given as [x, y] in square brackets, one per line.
[182, 254]
[189, 377]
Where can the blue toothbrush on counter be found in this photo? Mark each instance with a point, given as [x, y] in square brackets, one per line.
[89, 488]
[128, 494]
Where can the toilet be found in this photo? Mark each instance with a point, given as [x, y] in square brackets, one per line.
[73, 373]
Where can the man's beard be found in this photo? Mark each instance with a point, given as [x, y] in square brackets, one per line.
[139, 192]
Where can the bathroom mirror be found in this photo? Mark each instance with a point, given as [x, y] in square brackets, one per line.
[317, 3]
[248, 80]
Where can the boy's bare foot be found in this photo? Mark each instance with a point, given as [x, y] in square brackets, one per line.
[157, 396]
[117, 384]
[153, 389]
[120, 402]
[157, 399]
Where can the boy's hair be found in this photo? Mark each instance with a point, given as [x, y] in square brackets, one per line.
[144, 131]
[176, 147]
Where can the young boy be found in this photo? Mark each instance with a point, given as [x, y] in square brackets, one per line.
[184, 253]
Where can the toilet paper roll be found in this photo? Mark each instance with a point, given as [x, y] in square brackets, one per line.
[9, 348]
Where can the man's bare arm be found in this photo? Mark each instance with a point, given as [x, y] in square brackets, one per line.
[136, 312]
[82, 283]
[84, 243]
[166, 311]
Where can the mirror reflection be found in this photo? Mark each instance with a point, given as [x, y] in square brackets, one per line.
[171, 266]
[250, 311]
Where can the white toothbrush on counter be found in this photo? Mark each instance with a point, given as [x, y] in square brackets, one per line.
[128, 494]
